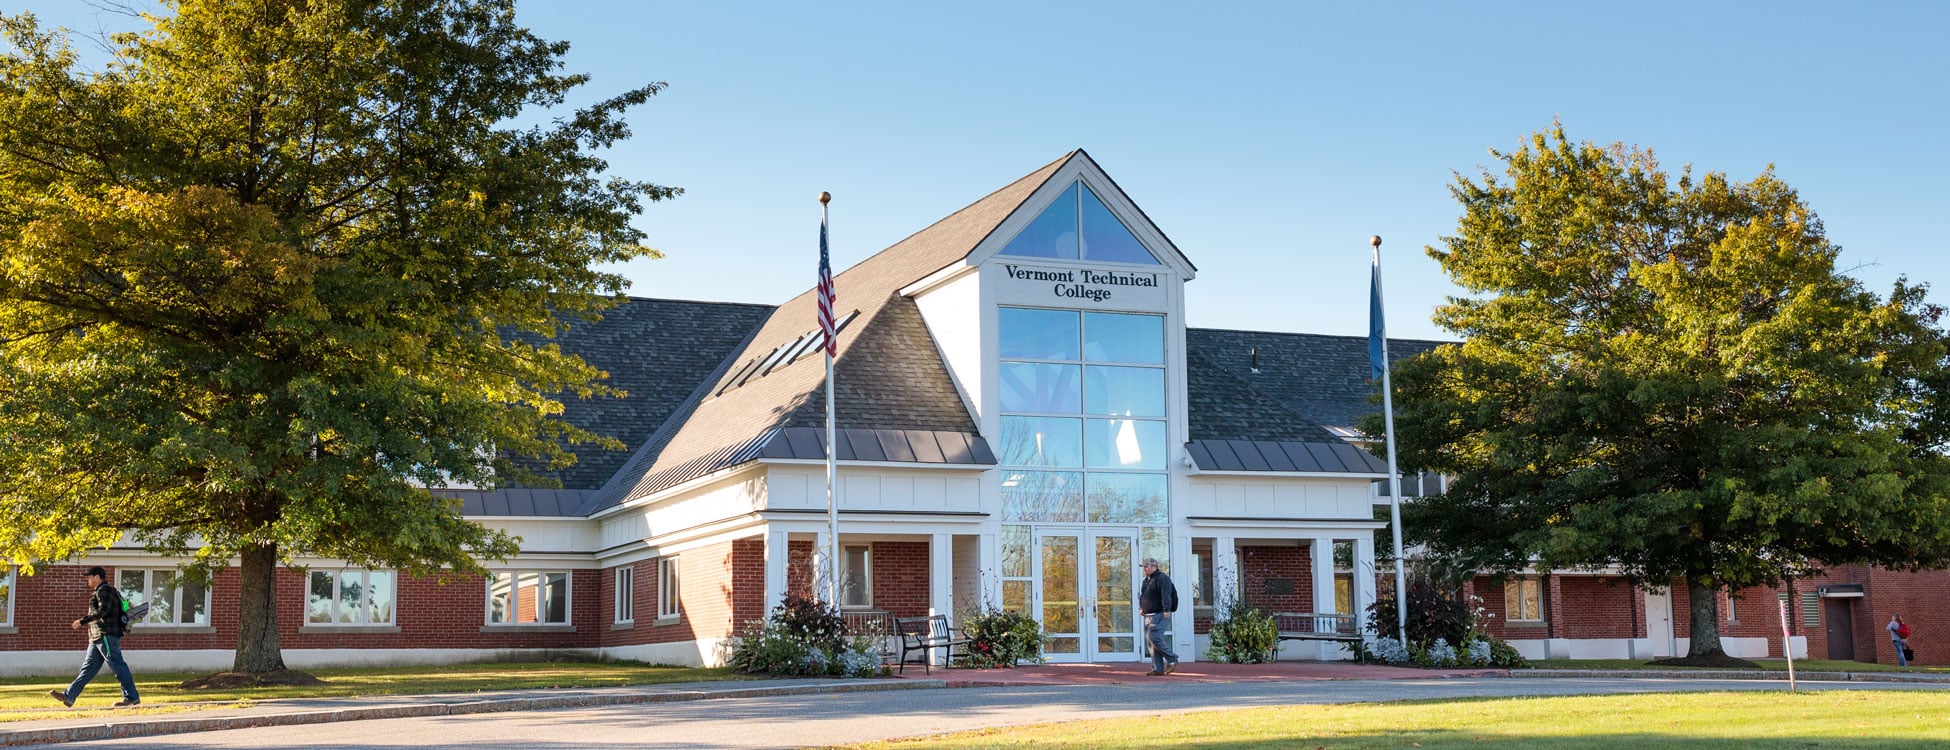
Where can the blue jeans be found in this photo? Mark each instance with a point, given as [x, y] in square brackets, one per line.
[1900, 661]
[1154, 631]
[108, 649]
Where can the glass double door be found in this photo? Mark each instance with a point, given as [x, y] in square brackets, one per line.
[1086, 593]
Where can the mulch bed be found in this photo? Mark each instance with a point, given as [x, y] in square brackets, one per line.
[234, 680]
[1710, 661]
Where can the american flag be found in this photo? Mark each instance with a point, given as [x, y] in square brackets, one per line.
[826, 292]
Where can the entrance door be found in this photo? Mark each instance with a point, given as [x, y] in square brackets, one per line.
[1086, 593]
[1658, 622]
[1841, 629]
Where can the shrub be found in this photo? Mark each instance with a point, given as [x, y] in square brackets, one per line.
[1243, 636]
[1001, 639]
[803, 636]
[1435, 613]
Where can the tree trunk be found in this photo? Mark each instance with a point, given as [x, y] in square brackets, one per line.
[1705, 605]
[257, 612]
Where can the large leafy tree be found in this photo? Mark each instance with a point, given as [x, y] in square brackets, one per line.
[278, 266]
[1670, 378]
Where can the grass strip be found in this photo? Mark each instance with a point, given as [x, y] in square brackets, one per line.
[25, 698]
[1771, 719]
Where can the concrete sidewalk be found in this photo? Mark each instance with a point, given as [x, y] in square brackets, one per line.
[288, 712]
[1204, 671]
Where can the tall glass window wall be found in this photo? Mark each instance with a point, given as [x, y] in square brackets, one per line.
[1083, 438]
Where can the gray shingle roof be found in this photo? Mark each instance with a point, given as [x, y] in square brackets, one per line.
[889, 371]
[1321, 381]
[656, 351]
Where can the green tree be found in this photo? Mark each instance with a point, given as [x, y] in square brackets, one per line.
[1671, 379]
[281, 264]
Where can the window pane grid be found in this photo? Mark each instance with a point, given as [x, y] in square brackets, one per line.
[625, 594]
[669, 589]
[1122, 416]
[350, 597]
[528, 598]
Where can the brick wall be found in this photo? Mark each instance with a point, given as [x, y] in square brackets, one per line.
[1593, 607]
[900, 575]
[429, 614]
[1923, 600]
[1265, 569]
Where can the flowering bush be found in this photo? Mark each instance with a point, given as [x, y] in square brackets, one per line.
[1001, 639]
[804, 636]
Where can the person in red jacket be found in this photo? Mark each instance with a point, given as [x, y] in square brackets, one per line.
[1899, 637]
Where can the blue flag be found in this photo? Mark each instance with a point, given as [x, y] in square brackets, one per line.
[1377, 329]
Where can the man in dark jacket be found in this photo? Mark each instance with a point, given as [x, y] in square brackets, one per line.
[104, 621]
[1157, 600]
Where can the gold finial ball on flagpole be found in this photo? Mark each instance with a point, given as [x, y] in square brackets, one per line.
[825, 197]
[1375, 240]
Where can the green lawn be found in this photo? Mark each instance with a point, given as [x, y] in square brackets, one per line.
[1836, 719]
[25, 698]
[1776, 665]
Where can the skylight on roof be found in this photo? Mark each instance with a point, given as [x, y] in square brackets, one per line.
[1078, 226]
[780, 356]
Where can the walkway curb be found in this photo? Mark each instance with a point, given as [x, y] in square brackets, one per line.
[121, 728]
[1732, 674]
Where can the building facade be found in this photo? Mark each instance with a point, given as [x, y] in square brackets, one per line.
[1023, 415]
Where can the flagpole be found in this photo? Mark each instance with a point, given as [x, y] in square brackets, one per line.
[832, 452]
[1394, 477]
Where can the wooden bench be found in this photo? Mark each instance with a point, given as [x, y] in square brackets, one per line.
[1317, 626]
[925, 634]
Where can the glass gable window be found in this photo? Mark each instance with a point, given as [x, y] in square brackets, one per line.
[1078, 226]
[1122, 459]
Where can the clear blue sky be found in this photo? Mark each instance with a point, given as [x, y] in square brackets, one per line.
[1268, 140]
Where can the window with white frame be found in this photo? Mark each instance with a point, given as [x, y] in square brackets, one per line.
[351, 597]
[7, 578]
[1728, 600]
[856, 576]
[669, 589]
[625, 595]
[1523, 600]
[173, 598]
[528, 597]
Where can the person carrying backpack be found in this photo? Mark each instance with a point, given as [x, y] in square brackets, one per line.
[1899, 637]
[106, 621]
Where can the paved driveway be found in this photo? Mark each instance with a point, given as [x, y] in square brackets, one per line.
[817, 720]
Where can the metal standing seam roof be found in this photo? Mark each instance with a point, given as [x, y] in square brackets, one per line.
[1283, 456]
[809, 443]
[519, 502]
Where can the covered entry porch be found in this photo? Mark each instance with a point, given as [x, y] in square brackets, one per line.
[1297, 570]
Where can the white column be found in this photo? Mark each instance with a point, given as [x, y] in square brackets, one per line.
[1225, 573]
[1364, 579]
[821, 548]
[1183, 641]
[989, 562]
[941, 575]
[775, 554]
[1321, 555]
[941, 579]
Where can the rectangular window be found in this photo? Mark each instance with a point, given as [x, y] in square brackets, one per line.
[669, 589]
[1727, 602]
[350, 597]
[6, 597]
[172, 598]
[528, 598]
[1523, 600]
[856, 576]
[670, 600]
[625, 595]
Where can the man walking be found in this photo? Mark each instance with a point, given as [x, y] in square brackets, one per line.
[1156, 601]
[104, 621]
